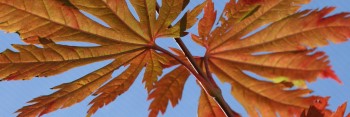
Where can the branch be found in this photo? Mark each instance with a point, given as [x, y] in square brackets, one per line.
[190, 58]
[208, 85]
[198, 76]
[213, 90]
[207, 70]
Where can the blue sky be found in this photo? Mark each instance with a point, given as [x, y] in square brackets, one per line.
[133, 103]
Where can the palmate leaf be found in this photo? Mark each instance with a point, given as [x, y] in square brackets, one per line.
[266, 97]
[285, 48]
[117, 15]
[125, 40]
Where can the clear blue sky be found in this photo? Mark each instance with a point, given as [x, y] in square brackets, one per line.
[14, 95]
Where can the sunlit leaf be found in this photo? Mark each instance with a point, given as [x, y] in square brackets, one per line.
[169, 88]
[153, 69]
[117, 86]
[54, 20]
[262, 97]
[53, 59]
[73, 92]
[207, 107]
[262, 38]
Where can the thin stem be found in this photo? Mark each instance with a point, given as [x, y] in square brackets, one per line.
[198, 76]
[208, 85]
[213, 90]
[225, 107]
[207, 70]
[190, 57]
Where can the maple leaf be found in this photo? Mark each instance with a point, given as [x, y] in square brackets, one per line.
[285, 48]
[126, 40]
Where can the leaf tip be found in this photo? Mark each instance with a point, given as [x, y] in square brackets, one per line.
[329, 73]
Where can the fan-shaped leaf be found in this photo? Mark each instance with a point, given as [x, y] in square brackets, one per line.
[266, 97]
[276, 51]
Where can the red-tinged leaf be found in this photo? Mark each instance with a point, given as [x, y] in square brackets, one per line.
[304, 29]
[329, 73]
[71, 93]
[207, 107]
[319, 109]
[197, 39]
[234, 28]
[321, 103]
[117, 86]
[340, 111]
[206, 23]
[280, 50]
[294, 65]
[312, 112]
[32, 40]
[262, 98]
[178, 52]
[169, 88]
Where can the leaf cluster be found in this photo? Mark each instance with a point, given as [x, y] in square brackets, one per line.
[284, 53]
